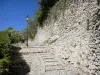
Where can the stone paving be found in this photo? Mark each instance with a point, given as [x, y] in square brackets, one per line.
[41, 61]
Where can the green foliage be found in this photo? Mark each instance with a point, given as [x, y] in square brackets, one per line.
[59, 8]
[46, 41]
[4, 44]
[52, 9]
[32, 30]
[38, 17]
[6, 39]
[14, 35]
[4, 64]
[49, 41]
[45, 6]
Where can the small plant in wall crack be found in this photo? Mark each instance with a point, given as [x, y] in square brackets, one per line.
[46, 41]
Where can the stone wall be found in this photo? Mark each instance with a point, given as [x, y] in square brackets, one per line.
[74, 36]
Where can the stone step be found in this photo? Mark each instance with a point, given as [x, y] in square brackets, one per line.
[50, 61]
[31, 49]
[31, 46]
[53, 65]
[47, 58]
[42, 54]
[57, 72]
[54, 69]
[49, 65]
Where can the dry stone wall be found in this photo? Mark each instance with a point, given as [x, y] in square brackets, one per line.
[74, 36]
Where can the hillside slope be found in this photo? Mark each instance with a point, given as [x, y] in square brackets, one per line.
[72, 30]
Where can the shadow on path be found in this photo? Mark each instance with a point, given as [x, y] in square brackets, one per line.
[18, 66]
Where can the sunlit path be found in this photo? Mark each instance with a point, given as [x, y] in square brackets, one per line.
[41, 61]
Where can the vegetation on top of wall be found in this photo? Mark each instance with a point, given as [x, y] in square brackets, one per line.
[48, 9]
[59, 8]
[45, 6]
[32, 29]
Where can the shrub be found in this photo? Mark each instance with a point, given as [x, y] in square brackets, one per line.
[14, 35]
[4, 44]
[6, 39]
[4, 64]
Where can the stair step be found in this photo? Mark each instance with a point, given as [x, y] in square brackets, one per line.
[50, 60]
[54, 69]
[48, 56]
[53, 65]
[55, 72]
[45, 54]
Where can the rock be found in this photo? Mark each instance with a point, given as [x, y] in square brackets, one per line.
[77, 34]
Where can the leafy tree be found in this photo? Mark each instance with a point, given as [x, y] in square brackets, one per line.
[32, 30]
[14, 35]
[47, 3]
[10, 28]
